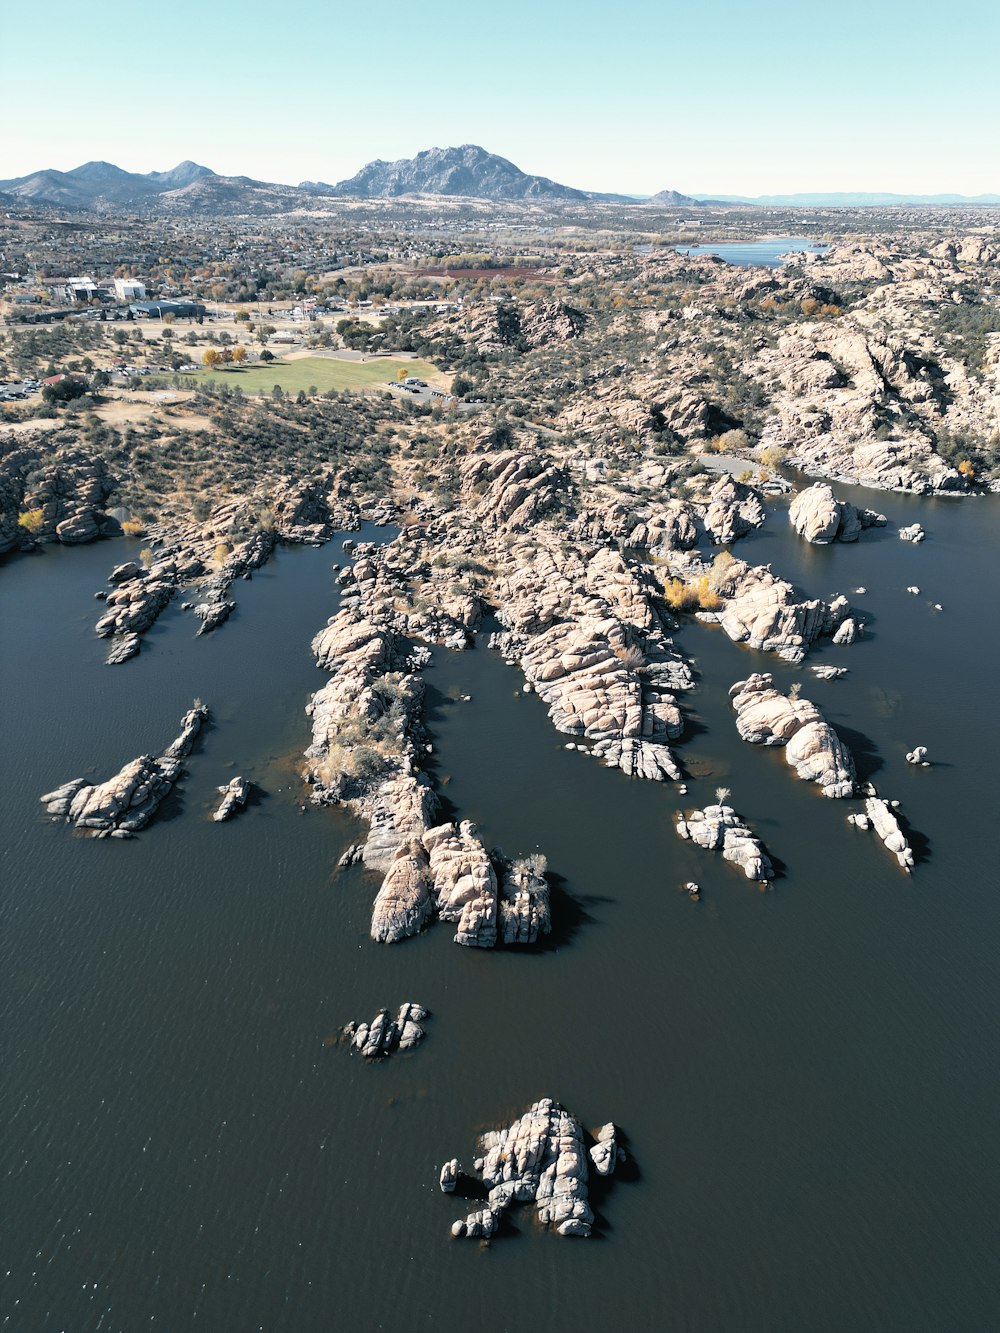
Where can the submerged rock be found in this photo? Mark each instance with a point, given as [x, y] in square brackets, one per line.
[123, 646]
[542, 1159]
[126, 802]
[719, 828]
[212, 614]
[765, 716]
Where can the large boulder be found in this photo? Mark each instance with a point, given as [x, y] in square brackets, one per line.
[765, 716]
[818, 516]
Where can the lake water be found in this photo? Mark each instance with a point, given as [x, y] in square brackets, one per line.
[808, 1077]
[751, 254]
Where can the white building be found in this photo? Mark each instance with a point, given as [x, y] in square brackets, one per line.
[130, 289]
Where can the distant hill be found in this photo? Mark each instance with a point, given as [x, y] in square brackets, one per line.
[231, 195]
[848, 200]
[185, 173]
[100, 183]
[673, 199]
[468, 171]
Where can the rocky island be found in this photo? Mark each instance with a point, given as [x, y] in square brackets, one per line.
[541, 1158]
[125, 803]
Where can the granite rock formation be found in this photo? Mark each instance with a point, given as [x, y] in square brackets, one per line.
[234, 798]
[818, 516]
[880, 815]
[384, 1034]
[542, 1159]
[763, 611]
[126, 802]
[61, 499]
[765, 716]
[719, 828]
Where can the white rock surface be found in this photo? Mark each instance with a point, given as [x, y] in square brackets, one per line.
[383, 1034]
[540, 1158]
[234, 797]
[464, 883]
[886, 825]
[765, 716]
[126, 802]
[818, 516]
[719, 828]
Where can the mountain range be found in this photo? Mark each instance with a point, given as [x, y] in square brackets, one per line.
[86, 185]
[464, 172]
[847, 199]
[468, 170]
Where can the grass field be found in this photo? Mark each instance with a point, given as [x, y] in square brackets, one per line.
[322, 371]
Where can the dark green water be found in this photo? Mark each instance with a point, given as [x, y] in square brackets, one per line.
[808, 1078]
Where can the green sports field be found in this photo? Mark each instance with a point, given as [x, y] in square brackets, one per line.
[323, 372]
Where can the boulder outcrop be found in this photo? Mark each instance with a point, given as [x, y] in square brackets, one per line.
[818, 516]
[607, 1153]
[524, 907]
[765, 716]
[590, 642]
[403, 904]
[886, 825]
[384, 1034]
[733, 510]
[234, 798]
[126, 802]
[464, 883]
[719, 828]
[914, 533]
[542, 1159]
[62, 498]
[762, 611]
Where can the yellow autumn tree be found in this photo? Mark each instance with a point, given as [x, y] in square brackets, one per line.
[32, 521]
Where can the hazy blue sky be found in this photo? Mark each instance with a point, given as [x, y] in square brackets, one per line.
[708, 95]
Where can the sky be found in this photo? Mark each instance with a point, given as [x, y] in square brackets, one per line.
[706, 97]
